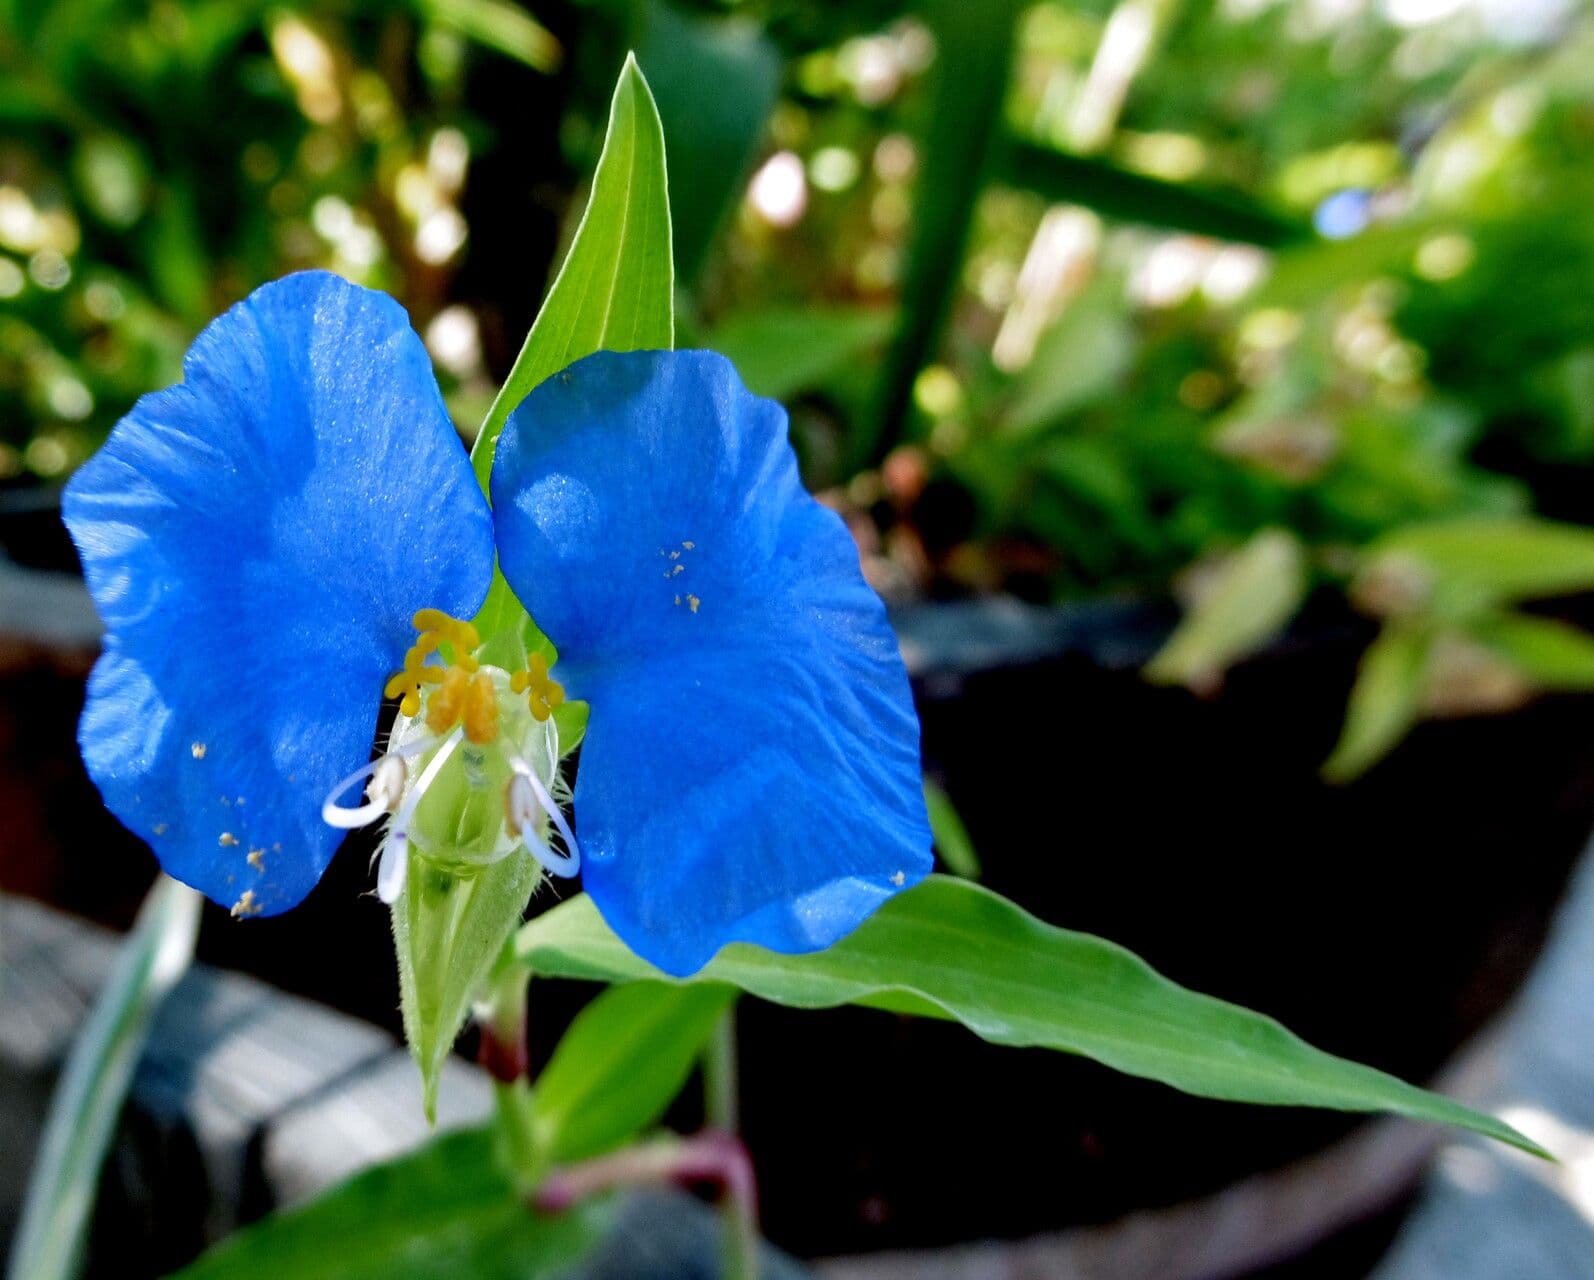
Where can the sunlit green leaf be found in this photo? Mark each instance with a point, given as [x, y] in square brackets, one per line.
[499, 25]
[615, 291]
[951, 949]
[443, 1213]
[83, 1112]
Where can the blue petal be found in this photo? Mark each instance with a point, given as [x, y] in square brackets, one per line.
[751, 768]
[256, 539]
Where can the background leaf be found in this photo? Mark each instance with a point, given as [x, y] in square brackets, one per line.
[87, 1101]
[784, 351]
[1481, 561]
[951, 949]
[1256, 593]
[951, 836]
[1385, 700]
[715, 82]
[442, 1213]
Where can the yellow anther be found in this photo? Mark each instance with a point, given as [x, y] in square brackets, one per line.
[481, 709]
[445, 707]
[545, 693]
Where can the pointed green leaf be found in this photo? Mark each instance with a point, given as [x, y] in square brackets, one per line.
[444, 1211]
[621, 1064]
[88, 1100]
[1385, 701]
[616, 289]
[951, 949]
[615, 292]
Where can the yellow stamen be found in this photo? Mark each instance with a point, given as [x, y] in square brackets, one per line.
[435, 629]
[545, 693]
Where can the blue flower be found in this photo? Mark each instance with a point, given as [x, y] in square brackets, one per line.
[264, 540]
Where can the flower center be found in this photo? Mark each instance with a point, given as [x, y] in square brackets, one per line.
[485, 756]
[460, 692]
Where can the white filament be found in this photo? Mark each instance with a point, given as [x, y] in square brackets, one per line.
[524, 817]
[383, 794]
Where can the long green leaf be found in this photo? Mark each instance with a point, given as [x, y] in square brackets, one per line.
[621, 1064]
[951, 949]
[445, 1211]
[1552, 654]
[83, 1112]
[500, 25]
[615, 291]
[1135, 197]
[974, 46]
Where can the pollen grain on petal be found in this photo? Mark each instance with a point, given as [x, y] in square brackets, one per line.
[198, 750]
[227, 840]
[257, 859]
[247, 905]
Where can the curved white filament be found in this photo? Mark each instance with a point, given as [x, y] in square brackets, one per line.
[384, 792]
[566, 864]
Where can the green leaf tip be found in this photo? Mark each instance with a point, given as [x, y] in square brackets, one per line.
[615, 290]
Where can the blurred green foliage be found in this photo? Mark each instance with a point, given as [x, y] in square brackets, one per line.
[1064, 297]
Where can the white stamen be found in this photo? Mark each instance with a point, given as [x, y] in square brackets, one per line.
[396, 852]
[525, 787]
[382, 795]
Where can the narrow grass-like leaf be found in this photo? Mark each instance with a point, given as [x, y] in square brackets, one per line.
[499, 25]
[1116, 192]
[444, 1211]
[1552, 654]
[950, 949]
[621, 1064]
[83, 1112]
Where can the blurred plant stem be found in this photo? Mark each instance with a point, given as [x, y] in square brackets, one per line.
[722, 1108]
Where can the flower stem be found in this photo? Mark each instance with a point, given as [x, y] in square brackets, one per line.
[738, 1207]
